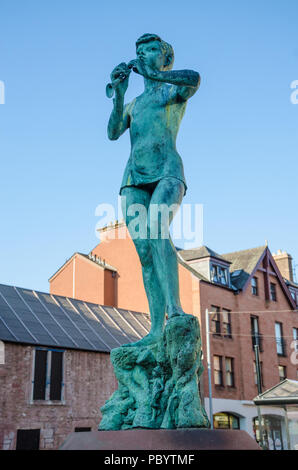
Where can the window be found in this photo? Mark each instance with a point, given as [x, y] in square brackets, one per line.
[82, 429]
[273, 291]
[48, 374]
[219, 274]
[280, 342]
[225, 421]
[256, 337]
[230, 372]
[217, 363]
[294, 344]
[226, 320]
[282, 371]
[215, 320]
[261, 374]
[28, 439]
[254, 286]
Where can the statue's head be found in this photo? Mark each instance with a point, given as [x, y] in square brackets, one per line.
[157, 52]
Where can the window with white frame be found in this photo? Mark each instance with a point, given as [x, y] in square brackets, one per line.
[254, 286]
[226, 323]
[48, 375]
[215, 320]
[282, 371]
[219, 274]
[273, 291]
[217, 364]
[230, 382]
[280, 343]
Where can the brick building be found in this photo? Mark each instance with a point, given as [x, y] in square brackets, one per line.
[55, 372]
[92, 307]
[250, 294]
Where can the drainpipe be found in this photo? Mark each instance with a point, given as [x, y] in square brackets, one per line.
[209, 367]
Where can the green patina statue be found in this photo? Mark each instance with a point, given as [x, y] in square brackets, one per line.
[158, 375]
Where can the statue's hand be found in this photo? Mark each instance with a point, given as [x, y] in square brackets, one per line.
[122, 70]
[140, 67]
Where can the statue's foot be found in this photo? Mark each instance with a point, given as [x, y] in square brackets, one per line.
[176, 312]
[149, 339]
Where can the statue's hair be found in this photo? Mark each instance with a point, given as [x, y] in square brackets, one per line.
[166, 47]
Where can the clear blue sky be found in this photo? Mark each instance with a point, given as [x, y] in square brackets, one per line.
[238, 139]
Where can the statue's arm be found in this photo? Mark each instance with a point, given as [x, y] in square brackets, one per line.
[187, 81]
[119, 120]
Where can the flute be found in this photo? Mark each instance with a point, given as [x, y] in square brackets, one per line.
[110, 88]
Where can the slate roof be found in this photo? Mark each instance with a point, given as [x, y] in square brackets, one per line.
[243, 263]
[200, 252]
[37, 318]
[282, 393]
[291, 283]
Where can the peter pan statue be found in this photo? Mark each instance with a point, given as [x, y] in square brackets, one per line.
[154, 175]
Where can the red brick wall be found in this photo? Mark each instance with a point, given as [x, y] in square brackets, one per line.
[240, 346]
[84, 280]
[89, 381]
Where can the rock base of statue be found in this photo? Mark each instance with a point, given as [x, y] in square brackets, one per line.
[158, 383]
[161, 439]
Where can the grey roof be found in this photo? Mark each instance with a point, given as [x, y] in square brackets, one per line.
[282, 393]
[291, 283]
[243, 263]
[200, 252]
[31, 317]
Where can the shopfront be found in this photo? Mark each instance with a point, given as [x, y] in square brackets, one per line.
[278, 431]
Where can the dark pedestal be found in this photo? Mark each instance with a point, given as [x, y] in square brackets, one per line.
[161, 439]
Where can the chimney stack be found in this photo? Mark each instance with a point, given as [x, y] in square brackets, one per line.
[284, 264]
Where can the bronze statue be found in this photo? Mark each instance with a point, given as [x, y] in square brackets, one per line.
[154, 175]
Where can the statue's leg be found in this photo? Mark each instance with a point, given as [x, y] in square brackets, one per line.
[168, 194]
[156, 300]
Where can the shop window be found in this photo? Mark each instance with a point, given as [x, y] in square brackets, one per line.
[272, 432]
[225, 421]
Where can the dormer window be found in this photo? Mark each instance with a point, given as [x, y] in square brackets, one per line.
[219, 274]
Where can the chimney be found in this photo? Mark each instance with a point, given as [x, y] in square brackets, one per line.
[284, 264]
[113, 231]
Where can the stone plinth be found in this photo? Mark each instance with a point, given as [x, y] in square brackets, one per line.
[161, 439]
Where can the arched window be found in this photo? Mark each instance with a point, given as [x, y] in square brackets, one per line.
[225, 421]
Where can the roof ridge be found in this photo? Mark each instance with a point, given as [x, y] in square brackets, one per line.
[245, 250]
